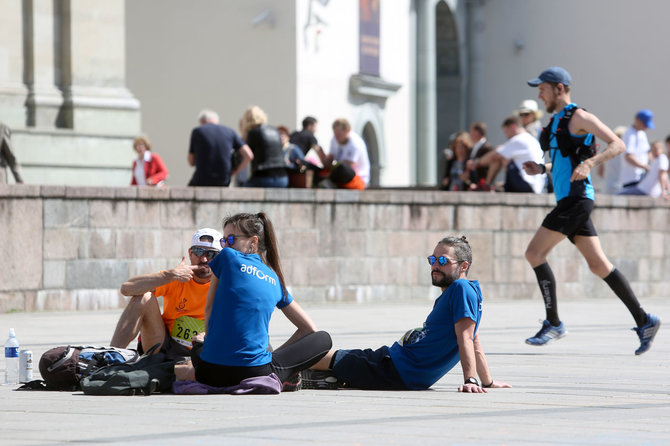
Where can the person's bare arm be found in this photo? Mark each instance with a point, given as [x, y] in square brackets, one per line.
[665, 184]
[633, 161]
[326, 160]
[191, 159]
[533, 168]
[211, 293]
[583, 122]
[298, 317]
[465, 330]
[485, 160]
[247, 157]
[138, 285]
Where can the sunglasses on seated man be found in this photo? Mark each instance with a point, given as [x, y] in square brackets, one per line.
[199, 251]
[442, 260]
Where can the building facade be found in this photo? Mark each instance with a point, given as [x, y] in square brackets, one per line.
[76, 76]
[63, 92]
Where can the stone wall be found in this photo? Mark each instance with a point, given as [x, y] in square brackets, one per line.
[70, 248]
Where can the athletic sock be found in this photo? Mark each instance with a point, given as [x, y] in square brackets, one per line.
[622, 289]
[547, 282]
[332, 361]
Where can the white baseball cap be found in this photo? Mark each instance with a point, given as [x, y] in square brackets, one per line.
[530, 106]
[207, 232]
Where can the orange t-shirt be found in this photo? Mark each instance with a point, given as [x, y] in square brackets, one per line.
[183, 299]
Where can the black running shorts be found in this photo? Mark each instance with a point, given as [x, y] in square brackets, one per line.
[572, 217]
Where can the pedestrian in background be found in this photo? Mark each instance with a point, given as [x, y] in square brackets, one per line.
[7, 158]
[148, 167]
[211, 151]
[267, 166]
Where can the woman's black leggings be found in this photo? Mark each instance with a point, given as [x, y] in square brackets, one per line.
[286, 361]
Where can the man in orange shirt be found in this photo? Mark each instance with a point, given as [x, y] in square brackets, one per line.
[184, 291]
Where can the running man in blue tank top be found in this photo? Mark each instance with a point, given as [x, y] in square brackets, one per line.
[570, 140]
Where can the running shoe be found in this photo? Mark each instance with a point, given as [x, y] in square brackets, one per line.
[319, 380]
[647, 333]
[547, 334]
[293, 383]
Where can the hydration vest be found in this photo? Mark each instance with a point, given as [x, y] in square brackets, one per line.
[556, 135]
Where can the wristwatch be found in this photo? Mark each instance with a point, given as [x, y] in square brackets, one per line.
[472, 380]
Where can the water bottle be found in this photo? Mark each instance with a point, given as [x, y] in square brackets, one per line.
[11, 359]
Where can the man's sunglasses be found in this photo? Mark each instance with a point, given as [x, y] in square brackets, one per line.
[199, 251]
[442, 260]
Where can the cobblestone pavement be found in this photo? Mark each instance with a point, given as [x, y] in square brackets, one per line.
[587, 388]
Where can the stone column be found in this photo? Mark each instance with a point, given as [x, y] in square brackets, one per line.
[475, 54]
[93, 65]
[40, 41]
[426, 113]
[63, 91]
[13, 90]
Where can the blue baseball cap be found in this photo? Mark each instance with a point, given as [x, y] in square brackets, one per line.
[647, 118]
[557, 75]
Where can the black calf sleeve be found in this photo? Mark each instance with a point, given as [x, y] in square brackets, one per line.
[547, 282]
[622, 289]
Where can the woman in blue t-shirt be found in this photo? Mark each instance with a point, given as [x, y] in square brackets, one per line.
[248, 284]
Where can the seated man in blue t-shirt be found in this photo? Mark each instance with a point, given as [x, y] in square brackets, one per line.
[426, 354]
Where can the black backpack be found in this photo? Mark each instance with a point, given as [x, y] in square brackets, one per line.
[577, 151]
[63, 367]
[152, 373]
[342, 173]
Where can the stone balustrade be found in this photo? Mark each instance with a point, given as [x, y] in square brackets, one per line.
[71, 248]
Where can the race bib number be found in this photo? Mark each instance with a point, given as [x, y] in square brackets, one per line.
[184, 328]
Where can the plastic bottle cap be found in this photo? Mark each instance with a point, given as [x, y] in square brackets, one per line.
[11, 333]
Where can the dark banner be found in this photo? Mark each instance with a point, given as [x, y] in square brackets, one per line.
[369, 37]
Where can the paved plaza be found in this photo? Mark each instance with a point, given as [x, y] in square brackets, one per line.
[588, 388]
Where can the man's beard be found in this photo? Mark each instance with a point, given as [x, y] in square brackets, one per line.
[550, 106]
[203, 273]
[443, 280]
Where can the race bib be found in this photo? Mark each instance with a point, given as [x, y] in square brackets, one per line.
[184, 328]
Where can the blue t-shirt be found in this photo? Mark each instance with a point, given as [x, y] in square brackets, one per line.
[435, 350]
[247, 294]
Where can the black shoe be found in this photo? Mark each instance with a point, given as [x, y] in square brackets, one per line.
[319, 380]
[293, 383]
